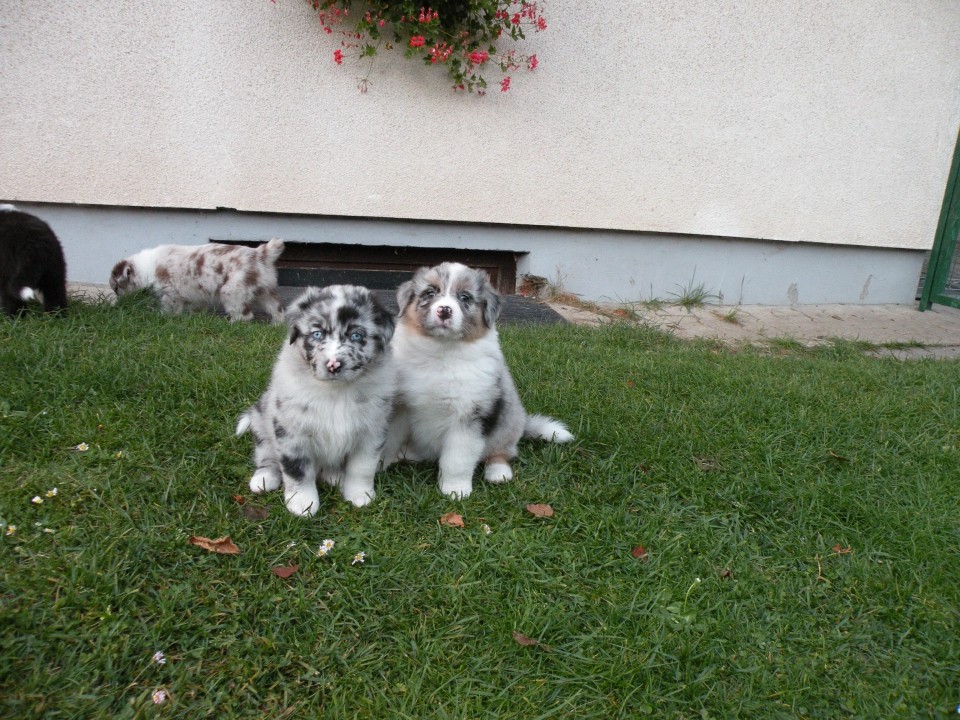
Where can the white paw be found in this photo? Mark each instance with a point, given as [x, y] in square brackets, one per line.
[302, 502]
[360, 498]
[456, 489]
[264, 480]
[497, 472]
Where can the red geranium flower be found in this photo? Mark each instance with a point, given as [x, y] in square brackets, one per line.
[416, 41]
[479, 57]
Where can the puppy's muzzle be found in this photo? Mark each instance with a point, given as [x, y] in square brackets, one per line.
[333, 366]
[444, 312]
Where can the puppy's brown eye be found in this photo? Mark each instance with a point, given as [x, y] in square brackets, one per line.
[465, 298]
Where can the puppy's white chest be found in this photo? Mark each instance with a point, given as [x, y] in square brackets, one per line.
[452, 381]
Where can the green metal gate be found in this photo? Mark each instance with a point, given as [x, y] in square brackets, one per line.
[942, 284]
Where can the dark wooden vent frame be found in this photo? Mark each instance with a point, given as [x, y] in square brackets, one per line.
[381, 267]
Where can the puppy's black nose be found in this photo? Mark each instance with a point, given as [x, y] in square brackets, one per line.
[444, 312]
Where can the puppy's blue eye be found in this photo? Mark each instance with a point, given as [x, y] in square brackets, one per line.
[317, 334]
[356, 337]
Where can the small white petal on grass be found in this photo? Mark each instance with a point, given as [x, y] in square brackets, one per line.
[325, 547]
[11, 530]
[159, 696]
[82, 447]
[359, 558]
[36, 500]
[159, 658]
[52, 492]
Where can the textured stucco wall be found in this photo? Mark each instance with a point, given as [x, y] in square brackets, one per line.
[803, 120]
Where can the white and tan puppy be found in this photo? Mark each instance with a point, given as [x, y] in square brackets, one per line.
[233, 277]
[456, 400]
[326, 409]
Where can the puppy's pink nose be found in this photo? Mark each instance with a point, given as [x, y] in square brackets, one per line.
[333, 366]
[444, 312]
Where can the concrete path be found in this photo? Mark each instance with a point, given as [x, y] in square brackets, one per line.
[902, 327]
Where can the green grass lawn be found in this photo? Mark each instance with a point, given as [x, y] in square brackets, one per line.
[735, 534]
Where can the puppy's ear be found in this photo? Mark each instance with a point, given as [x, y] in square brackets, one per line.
[406, 294]
[385, 322]
[291, 316]
[492, 303]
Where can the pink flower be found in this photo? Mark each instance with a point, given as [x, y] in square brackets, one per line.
[515, 19]
[338, 57]
[479, 57]
[416, 41]
[505, 84]
[532, 62]
[541, 23]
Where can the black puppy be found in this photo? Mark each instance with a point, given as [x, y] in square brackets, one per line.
[31, 263]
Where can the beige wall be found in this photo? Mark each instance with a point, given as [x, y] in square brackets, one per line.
[801, 120]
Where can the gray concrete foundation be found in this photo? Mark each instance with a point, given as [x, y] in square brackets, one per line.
[596, 265]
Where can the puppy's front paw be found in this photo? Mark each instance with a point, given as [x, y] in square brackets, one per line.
[265, 480]
[456, 489]
[498, 472]
[302, 502]
[360, 498]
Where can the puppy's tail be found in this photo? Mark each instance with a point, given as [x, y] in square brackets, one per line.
[243, 423]
[541, 427]
[272, 250]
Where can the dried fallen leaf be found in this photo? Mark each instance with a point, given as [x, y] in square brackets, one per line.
[284, 572]
[223, 545]
[839, 550]
[452, 519]
[640, 553]
[525, 641]
[522, 639]
[630, 384]
[540, 510]
[726, 573]
[239, 499]
[252, 512]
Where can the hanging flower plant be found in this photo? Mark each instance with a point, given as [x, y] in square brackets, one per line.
[461, 36]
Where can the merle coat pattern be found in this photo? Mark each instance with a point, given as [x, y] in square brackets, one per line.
[237, 278]
[32, 265]
[456, 399]
[326, 409]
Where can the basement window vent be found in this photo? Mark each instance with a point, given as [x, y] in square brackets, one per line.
[380, 267]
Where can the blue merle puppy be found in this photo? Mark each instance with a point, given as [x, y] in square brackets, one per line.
[326, 409]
